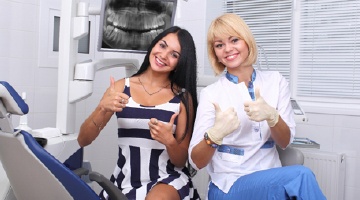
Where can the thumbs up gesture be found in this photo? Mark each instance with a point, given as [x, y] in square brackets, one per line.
[160, 131]
[225, 123]
[112, 100]
[259, 110]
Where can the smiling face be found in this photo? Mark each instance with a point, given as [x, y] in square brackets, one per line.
[133, 24]
[231, 51]
[165, 54]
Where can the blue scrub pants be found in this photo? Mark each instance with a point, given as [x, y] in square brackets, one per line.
[290, 182]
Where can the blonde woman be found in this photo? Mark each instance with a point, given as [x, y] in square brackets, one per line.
[240, 119]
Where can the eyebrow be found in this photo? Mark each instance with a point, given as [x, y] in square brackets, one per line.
[168, 46]
[219, 40]
[165, 43]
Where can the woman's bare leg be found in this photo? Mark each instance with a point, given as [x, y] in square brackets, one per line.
[163, 192]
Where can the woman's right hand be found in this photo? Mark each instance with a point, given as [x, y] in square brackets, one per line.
[112, 100]
[225, 123]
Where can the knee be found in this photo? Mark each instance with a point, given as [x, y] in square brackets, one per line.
[162, 192]
[159, 196]
[303, 171]
[151, 196]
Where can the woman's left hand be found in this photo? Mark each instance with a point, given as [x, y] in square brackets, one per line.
[162, 132]
[259, 110]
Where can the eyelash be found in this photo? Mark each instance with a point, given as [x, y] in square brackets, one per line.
[162, 45]
[235, 40]
[173, 54]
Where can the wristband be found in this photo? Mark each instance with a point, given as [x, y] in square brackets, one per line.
[99, 126]
[209, 142]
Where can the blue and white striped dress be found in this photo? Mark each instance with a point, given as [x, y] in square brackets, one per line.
[143, 161]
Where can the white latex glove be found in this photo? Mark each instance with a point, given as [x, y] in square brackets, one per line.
[225, 123]
[259, 110]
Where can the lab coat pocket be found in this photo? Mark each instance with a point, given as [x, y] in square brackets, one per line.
[227, 159]
[231, 157]
[230, 153]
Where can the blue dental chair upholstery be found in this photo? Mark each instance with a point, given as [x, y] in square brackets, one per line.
[34, 173]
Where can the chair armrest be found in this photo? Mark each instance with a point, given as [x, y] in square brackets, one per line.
[81, 171]
[290, 156]
[113, 191]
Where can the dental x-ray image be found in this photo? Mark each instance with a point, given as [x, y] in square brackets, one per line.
[131, 25]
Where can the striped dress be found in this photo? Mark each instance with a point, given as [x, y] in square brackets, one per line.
[143, 162]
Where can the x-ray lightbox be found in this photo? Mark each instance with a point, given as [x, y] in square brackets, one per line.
[131, 25]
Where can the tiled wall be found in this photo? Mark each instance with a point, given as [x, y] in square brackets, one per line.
[337, 133]
[19, 30]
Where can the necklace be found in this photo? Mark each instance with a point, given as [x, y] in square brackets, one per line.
[152, 92]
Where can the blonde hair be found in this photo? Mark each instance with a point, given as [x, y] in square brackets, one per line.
[230, 25]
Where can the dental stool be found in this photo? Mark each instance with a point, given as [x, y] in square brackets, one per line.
[290, 156]
[34, 173]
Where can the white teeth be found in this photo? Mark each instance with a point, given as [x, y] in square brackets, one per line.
[231, 57]
[136, 20]
[159, 61]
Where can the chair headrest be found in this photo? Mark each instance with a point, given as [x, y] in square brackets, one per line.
[12, 101]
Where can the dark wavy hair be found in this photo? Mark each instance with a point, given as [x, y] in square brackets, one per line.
[185, 73]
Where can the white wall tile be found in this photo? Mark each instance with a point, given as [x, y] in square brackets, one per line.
[351, 168]
[193, 27]
[43, 120]
[45, 100]
[321, 134]
[34, 2]
[19, 16]
[21, 71]
[18, 44]
[5, 43]
[207, 66]
[351, 193]
[317, 119]
[190, 10]
[4, 68]
[200, 59]
[347, 121]
[214, 9]
[5, 13]
[347, 140]
[46, 77]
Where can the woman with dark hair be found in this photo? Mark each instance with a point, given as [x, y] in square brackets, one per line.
[155, 110]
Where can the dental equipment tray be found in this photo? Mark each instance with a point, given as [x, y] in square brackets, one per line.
[304, 143]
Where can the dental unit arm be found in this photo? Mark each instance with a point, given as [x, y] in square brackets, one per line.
[81, 86]
[75, 79]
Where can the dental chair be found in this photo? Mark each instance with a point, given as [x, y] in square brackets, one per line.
[290, 156]
[34, 173]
